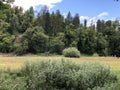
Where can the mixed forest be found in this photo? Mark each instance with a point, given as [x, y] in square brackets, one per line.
[50, 32]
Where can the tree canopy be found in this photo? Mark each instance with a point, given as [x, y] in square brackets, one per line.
[23, 32]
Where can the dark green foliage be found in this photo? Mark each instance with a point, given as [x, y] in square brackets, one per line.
[4, 6]
[68, 19]
[7, 1]
[59, 22]
[53, 24]
[26, 20]
[102, 45]
[71, 52]
[114, 46]
[6, 42]
[4, 26]
[37, 40]
[87, 41]
[14, 18]
[71, 36]
[44, 20]
[21, 48]
[65, 75]
[85, 24]
[57, 44]
[100, 26]
[76, 21]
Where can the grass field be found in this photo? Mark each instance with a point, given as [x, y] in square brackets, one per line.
[17, 62]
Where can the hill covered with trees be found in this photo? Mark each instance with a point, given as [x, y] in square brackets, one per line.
[22, 32]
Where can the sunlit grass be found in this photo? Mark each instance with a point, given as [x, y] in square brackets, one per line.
[17, 62]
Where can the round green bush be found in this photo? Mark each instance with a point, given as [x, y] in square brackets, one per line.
[71, 52]
[65, 75]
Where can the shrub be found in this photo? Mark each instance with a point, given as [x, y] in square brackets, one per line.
[71, 52]
[11, 81]
[21, 48]
[65, 75]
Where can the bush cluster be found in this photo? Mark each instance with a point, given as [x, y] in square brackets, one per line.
[71, 52]
[65, 75]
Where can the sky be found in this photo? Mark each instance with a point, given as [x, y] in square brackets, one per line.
[92, 10]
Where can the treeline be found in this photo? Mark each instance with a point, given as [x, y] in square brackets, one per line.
[23, 32]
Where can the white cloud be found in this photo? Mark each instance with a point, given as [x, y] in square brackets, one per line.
[64, 15]
[103, 14]
[83, 18]
[94, 19]
[28, 3]
[112, 19]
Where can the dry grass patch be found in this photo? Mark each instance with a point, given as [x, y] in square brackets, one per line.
[17, 62]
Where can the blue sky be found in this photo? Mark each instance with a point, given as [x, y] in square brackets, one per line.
[89, 7]
[92, 10]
